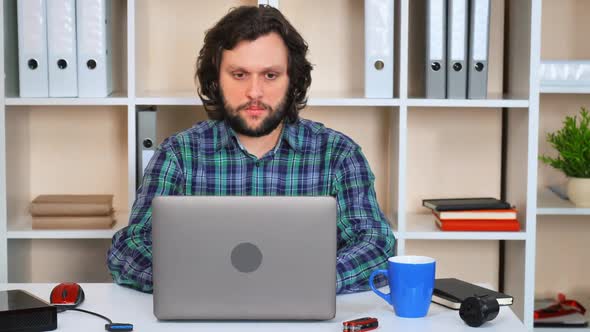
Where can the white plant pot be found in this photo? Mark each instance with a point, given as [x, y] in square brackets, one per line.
[578, 191]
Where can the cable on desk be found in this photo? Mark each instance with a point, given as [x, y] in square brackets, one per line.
[93, 313]
[109, 327]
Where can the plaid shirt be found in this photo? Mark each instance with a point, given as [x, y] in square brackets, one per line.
[309, 160]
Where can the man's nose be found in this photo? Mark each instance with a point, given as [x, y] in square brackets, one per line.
[255, 88]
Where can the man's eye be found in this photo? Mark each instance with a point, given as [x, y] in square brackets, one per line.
[239, 75]
[271, 76]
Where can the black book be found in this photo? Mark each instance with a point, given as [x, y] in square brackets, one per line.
[450, 292]
[459, 204]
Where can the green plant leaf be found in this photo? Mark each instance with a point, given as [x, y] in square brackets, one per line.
[572, 143]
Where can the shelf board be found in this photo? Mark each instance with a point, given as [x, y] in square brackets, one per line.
[352, 102]
[117, 98]
[573, 89]
[178, 98]
[548, 203]
[479, 103]
[561, 329]
[352, 98]
[422, 227]
[21, 229]
[190, 98]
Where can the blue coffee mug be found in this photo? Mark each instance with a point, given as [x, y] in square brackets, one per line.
[411, 282]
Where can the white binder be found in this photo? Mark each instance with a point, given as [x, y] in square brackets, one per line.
[379, 48]
[479, 40]
[32, 48]
[457, 49]
[272, 3]
[435, 67]
[564, 73]
[61, 41]
[146, 140]
[94, 48]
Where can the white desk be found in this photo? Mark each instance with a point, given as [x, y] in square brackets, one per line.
[124, 305]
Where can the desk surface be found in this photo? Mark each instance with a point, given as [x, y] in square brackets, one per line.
[124, 305]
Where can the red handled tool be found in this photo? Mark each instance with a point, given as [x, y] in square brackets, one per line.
[360, 325]
[562, 307]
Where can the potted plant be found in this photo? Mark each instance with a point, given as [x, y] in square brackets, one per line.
[572, 142]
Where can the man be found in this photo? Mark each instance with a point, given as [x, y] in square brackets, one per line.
[253, 78]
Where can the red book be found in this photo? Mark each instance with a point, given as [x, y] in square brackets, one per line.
[479, 225]
[504, 214]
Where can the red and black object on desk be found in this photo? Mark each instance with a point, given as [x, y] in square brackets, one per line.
[67, 295]
[360, 324]
[562, 312]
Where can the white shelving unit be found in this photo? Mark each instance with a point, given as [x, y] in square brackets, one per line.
[117, 98]
[153, 69]
[551, 204]
[565, 89]
[487, 103]
[560, 224]
[21, 229]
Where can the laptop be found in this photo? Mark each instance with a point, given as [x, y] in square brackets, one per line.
[244, 257]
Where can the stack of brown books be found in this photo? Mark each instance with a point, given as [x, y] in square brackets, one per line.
[72, 212]
[473, 214]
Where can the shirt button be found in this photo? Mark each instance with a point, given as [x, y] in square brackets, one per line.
[257, 164]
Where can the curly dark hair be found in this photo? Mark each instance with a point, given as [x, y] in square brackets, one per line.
[249, 23]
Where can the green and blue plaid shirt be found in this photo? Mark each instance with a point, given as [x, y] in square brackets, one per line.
[309, 160]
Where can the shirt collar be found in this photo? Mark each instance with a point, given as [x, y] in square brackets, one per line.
[291, 136]
[227, 138]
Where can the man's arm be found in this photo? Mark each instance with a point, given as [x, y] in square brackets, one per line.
[365, 238]
[130, 256]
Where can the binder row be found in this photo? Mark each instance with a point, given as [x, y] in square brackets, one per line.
[64, 48]
[457, 43]
[564, 73]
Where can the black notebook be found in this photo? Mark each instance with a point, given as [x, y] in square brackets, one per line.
[459, 204]
[450, 292]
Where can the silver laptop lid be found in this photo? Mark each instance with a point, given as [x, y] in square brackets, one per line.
[244, 257]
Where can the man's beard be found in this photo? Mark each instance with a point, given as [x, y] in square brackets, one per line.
[239, 125]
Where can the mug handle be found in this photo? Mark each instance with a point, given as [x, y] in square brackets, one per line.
[386, 297]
